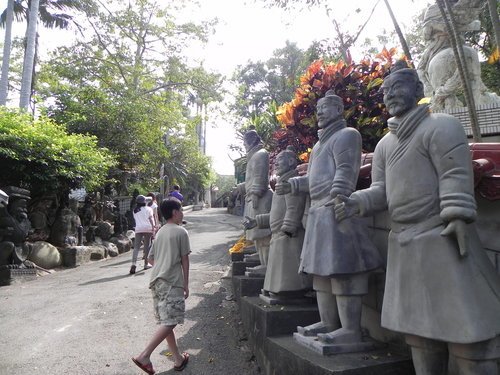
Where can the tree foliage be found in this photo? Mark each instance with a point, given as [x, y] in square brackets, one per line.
[41, 156]
[356, 83]
[128, 84]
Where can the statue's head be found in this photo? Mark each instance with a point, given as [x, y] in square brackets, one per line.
[402, 89]
[251, 139]
[329, 109]
[285, 161]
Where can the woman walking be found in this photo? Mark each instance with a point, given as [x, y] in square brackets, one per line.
[144, 230]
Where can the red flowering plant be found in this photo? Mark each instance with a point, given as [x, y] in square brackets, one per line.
[357, 84]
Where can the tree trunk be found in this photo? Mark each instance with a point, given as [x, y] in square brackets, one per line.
[401, 37]
[29, 55]
[4, 79]
[456, 44]
[495, 21]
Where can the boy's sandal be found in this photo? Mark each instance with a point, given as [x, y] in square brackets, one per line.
[148, 368]
[184, 363]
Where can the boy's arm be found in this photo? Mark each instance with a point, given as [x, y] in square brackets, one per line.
[185, 273]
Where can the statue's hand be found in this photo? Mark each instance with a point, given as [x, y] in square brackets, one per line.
[249, 223]
[344, 207]
[288, 230]
[458, 228]
[283, 188]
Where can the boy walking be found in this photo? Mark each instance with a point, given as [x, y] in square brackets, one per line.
[169, 256]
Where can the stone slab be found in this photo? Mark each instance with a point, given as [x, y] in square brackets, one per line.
[312, 343]
[236, 257]
[284, 356]
[247, 286]
[10, 276]
[273, 300]
[75, 256]
[262, 320]
[239, 268]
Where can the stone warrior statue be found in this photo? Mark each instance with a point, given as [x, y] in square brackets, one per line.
[441, 290]
[282, 281]
[14, 226]
[258, 196]
[339, 257]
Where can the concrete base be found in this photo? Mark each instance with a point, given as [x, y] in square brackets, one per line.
[312, 343]
[284, 356]
[236, 257]
[239, 268]
[13, 275]
[247, 286]
[277, 299]
[265, 320]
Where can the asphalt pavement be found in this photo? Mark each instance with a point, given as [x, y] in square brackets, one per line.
[92, 319]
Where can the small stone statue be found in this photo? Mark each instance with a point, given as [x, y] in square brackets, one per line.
[339, 256]
[282, 280]
[42, 216]
[65, 229]
[258, 196]
[441, 292]
[14, 226]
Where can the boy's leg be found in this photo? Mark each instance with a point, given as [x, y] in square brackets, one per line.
[172, 346]
[161, 334]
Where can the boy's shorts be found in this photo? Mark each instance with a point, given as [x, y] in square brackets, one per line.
[168, 302]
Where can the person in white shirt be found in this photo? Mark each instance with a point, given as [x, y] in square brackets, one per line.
[144, 230]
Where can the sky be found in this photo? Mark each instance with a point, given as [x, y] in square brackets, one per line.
[248, 31]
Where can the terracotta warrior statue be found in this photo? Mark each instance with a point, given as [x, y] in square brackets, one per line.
[282, 280]
[441, 292]
[338, 256]
[258, 196]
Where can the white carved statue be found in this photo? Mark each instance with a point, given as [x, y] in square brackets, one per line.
[283, 280]
[258, 196]
[338, 256]
[442, 292]
[438, 70]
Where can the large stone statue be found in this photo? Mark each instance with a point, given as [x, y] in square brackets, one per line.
[283, 283]
[65, 229]
[437, 68]
[258, 196]
[338, 256]
[14, 226]
[441, 290]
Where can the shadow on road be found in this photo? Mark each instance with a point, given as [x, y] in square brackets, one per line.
[104, 280]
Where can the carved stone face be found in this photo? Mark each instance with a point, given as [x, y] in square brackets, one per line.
[283, 163]
[327, 112]
[18, 209]
[399, 94]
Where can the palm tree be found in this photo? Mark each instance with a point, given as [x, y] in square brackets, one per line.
[29, 55]
[50, 15]
[4, 79]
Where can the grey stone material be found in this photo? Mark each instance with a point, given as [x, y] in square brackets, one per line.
[112, 249]
[442, 292]
[104, 230]
[239, 268]
[122, 242]
[247, 286]
[13, 274]
[75, 256]
[45, 255]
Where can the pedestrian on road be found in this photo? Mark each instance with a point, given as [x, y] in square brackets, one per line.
[176, 193]
[154, 206]
[169, 285]
[144, 230]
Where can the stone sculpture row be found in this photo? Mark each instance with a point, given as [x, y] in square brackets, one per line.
[442, 292]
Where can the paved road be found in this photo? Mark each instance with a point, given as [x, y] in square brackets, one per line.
[92, 319]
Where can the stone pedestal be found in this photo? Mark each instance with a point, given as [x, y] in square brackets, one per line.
[239, 268]
[286, 299]
[247, 286]
[14, 274]
[312, 343]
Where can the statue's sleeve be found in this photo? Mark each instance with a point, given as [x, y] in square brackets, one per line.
[347, 155]
[450, 154]
[263, 221]
[300, 184]
[295, 205]
[260, 180]
[241, 189]
[374, 199]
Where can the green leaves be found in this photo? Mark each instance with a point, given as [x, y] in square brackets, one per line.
[43, 156]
